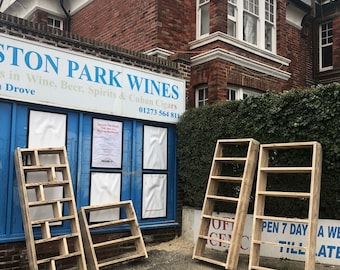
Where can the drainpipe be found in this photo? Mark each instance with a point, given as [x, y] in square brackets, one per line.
[68, 16]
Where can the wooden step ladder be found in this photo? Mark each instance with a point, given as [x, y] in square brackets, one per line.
[37, 175]
[312, 171]
[133, 242]
[233, 165]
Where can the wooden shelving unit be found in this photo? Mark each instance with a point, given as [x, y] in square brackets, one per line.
[59, 250]
[263, 192]
[94, 249]
[245, 163]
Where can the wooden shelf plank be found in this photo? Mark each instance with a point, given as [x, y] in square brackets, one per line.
[293, 220]
[59, 257]
[38, 168]
[48, 184]
[286, 169]
[260, 242]
[111, 223]
[230, 159]
[214, 239]
[223, 198]
[64, 218]
[56, 238]
[286, 194]
[201, 258]
[129, 258]
[117, 241]
[225, 219]
[223, 178]
[47, 202]
[261, 268]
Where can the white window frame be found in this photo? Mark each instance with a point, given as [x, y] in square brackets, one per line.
[199, 21]
[204, 101]
[55, 19]
[257, 9]
[232, 17]
[322, 46]
[240, 92]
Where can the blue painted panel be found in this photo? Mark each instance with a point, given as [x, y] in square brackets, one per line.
[5, 141]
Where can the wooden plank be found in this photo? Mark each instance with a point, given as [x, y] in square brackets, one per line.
[261, 242]
[223, 178]
[286, 169]
[284, 194]
[110, 223]
[275, 218]
[212, 261]
[224, 219]
[223, 198]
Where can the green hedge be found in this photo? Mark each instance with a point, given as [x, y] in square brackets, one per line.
[297, 115]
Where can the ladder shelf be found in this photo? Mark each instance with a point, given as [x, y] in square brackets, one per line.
[93, 249]
[312, 154]
[232, 171]
[40, 172]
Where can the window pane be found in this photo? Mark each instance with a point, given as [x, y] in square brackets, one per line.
[249, 28]
[231, 11]
[231, 28]
[231, 94]
[327, 56]
[205, 19]
[201, 97]
[268, 36]
[326, 41]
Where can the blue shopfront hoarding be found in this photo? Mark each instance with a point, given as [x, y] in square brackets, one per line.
[117, 122]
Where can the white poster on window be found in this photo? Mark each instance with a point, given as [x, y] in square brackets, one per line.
[105, 188]
[45, 130]
[155, 147]
[107, 144]
[154, 195]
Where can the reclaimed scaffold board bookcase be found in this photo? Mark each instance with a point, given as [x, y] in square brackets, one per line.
[270, 167]
[230, 182]
[133, 242]
[40, 173]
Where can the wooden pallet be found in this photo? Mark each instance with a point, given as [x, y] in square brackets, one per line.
[48, 251]
[263, 192]
[224, 158]
[93, 249]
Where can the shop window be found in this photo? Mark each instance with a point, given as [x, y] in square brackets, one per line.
[155, 161]
[45, 130]
[248, 18]
[105, 188]
[326, 46]
[238, 93]
[201, 96]
[203, 17]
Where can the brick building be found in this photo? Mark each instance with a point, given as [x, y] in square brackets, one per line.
[224, 49]
[236, 48]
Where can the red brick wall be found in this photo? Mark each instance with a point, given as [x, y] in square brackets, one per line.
[138, 25]
[132, 25]
[336, 42]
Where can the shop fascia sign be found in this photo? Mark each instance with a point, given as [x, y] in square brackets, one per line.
[48, 75]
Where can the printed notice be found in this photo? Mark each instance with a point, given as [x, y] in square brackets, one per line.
[107, 144]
